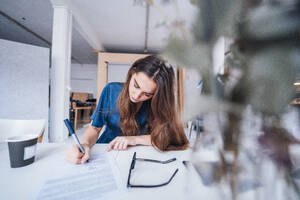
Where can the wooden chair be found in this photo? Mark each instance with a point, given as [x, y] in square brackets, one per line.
[15, 127]
[82, 97]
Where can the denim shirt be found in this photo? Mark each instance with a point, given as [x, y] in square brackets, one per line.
[107, 113]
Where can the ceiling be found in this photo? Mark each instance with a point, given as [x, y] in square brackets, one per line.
[104, 25]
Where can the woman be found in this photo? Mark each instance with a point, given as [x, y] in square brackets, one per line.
[140, 111]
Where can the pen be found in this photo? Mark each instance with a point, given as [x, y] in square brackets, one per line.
[72, 132]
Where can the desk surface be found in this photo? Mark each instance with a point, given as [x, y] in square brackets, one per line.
[21, 183]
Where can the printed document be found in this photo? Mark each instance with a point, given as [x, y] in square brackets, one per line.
[97, 179]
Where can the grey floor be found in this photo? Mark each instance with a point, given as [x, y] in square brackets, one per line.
[79, 132]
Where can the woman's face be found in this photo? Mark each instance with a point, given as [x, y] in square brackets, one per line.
[141, 87]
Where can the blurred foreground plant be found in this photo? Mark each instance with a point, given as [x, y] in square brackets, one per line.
[260, 68]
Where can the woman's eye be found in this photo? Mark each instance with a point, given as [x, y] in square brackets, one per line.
[148, 95]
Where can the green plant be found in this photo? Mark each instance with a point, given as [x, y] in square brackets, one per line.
[260, 67]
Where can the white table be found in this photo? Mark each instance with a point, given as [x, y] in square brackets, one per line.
[20, 183]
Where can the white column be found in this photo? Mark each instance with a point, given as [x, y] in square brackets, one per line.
[60, 72]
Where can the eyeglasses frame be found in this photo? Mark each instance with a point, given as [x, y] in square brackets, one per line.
[134, 159]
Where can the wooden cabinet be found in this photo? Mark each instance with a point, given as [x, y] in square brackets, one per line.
[105, 58]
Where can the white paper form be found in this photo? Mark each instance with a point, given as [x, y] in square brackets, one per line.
[97, 179]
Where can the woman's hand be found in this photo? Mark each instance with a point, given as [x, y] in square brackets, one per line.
[74, 155]
[122, 142]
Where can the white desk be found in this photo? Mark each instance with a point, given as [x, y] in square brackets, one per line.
[20, 183]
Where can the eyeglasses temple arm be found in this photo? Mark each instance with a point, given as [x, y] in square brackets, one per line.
[157, 161]
[131, 167]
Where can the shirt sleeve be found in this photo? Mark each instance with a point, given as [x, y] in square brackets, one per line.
[100, 114]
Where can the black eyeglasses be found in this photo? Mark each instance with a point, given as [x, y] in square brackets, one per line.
[134, 158]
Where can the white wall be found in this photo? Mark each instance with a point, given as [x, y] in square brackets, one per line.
[117, 72]
[24, 81]
[84, 78]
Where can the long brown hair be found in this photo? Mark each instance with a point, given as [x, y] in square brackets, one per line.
[167, 131]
